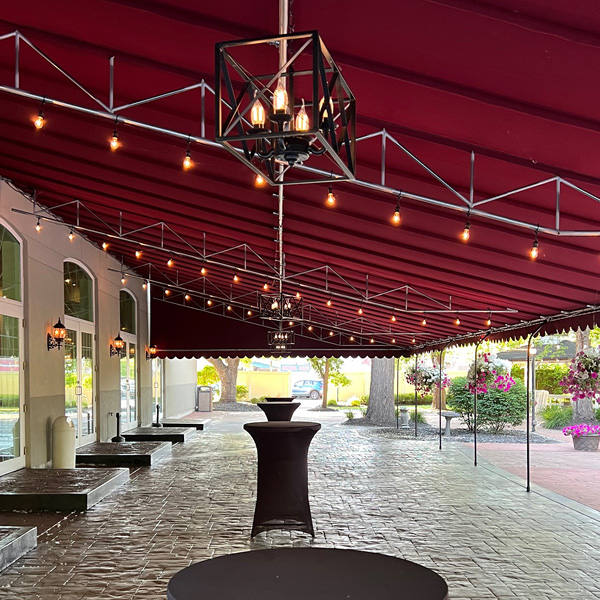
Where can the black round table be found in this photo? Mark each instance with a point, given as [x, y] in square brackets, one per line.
[279, 399]
[282, 486]
[278, 411]
[306, 573]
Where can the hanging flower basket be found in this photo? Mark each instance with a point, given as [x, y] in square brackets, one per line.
[583, 378]
[492, 373]
[586, 438]
[426, 378]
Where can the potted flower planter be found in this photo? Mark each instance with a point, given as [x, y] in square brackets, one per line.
[586, 443]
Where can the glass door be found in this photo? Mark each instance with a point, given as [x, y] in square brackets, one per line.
[79, 380]
[128, 384]
[157, 385]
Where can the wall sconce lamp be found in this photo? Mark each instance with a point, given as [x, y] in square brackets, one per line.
[151, 353]
[119, 348]
[59, 333]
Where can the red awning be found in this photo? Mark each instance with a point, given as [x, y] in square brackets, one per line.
[512, 84]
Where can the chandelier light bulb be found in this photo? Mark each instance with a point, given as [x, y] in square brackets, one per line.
[257, 114]
[280, 99]
[114, 141]
[534, 252]
[39, 120]
[466, 234]
[330, 201]
[396, 216]
[302, 122]
[188, 163]
[38, 226]
[170, 262]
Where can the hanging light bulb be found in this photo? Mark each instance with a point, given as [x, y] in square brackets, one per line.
[209, 302]
[188, 163]
[457, 320]
[144, 285]
[310, 327]
[280, 99]
[249, 313]
[329, 302]
[330, 201]
[38, 226]
[291, 323]
[360, 311]
[259, 181]
[396, 215]
[534, 252]
[424, 321]
[302, 122]
[489, 322]
[114, 141]
[138, 253]
[236, 279]
[372, 341]
[298, 295]
[393, 340]
[170, 262]
[104, 245]
[257, 115]
[331, 333]
[71, 235]
[229, 307]
[393, 319]
[266, 286]
[167, 292]
[123, 280]
[39, 120]
[187, 297]
[414, 340]
[351, 338]
[466, 233]
[203, 271]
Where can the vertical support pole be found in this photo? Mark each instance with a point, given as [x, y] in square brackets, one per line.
[475, 409]
[557, 214]
[383, 146]
[416, 394]
[396, 361]
[528, 376]
[440, 396]
[203, 109]
[111, 84]
[533, 421]
[17, 60]
[472, 182]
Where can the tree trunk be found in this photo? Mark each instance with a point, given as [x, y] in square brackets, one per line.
[381, 392]
[227, 372]
[583, 410]
[325, 383]
[436, 398]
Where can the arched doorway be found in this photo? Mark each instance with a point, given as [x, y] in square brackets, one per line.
[12, 442]
[79, 350]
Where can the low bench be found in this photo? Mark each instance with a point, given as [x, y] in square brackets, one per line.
[449, 415]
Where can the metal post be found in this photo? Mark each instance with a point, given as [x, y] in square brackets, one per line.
[533, 421]
[440, 396]
[528, 377]
[157, 423]
[397, 393]
[118, 437]
[416, 395]
[475, 401]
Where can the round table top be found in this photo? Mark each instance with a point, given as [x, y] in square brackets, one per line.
[279, 399]
[281, 426]
[282, 403]
[301, 573]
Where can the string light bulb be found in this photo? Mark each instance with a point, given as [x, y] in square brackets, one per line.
[329, 302]
[104, 246]
[259, 180]
[209, 302]
[330, 201]
[123, 280]
[489, 322]
[114, 141]
[298, 295]
[360, 311]
[236, 279]
[39, 121]
[249, 313]
[188, 163]
[534, 252]
[71, 235]
[187, 297]
[331, 333]
[424, 321]
[393, 319]
[466, 233]
[396, 216]
[203, 271]
[144, 285]
[351, 338]
[310, 327]
[170, 262]
[414, 340]
[457, 320]
[138, 253]
[266, 286]
[167, 292]
[38, 226]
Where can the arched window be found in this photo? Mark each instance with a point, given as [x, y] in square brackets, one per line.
[79, 292]
[10, 265]
[127, 305]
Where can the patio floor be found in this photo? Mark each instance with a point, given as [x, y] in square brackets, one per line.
[482, 532]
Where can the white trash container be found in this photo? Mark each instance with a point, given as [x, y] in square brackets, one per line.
[63, 443]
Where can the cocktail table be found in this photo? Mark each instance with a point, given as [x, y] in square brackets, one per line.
[306, 573]
[278, 411]
[282, 487]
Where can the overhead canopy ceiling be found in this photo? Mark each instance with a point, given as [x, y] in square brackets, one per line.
[512, 82]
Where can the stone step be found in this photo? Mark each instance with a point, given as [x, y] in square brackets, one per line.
[15, 542]
[198, 424]
[122, 454]
[159, 434]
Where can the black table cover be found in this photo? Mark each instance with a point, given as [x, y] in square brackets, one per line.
[279, 411]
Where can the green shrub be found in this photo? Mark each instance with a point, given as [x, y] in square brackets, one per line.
[409, 399]
[331, 403]
[349, 415]
[557, 416]
[597, 414]
[241, 392]
[547, 376]
[495, 409]
[355, 403]
[364, 400]
[420, 416]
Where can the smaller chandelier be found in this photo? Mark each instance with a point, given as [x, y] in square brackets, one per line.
[280, 307]
[280, 340]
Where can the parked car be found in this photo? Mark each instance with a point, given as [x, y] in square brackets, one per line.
[307, 388]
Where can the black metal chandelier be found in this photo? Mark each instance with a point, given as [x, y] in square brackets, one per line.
[280, 340]
[299, 107]
[280, 307]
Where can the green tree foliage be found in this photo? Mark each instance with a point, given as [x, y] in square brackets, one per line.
[329, 369]
[547, 376]
[208, 375]
[495, 409]
[241, 392]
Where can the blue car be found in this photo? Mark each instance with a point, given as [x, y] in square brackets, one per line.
[308, 388]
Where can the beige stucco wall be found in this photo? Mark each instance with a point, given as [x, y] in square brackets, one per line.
[43, 257]
[180, 386]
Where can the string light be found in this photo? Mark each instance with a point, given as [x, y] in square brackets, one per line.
[298, 295]
[329, 302]
[39, 120]
[291, 323]
[144, 285]
[104, 245]
[38, 227]
[265, 286]
[167, 292]
[188, 163]
[351, 338]
[209, 302]
[331, 333]
[424, 321]
[229, 307]
[187, 297]
[114, 141]
[330, 201]
[203, 271]
[259, 180]
[257, 114]
[393, 319]
[302, 121]
[123, 280]
[310, 327]
[249, 313]
[71, 235]
[414, 340]
[489, 321]
[396, 215]
[170, 262]
[236, 278]
[466, 233]
[457, 320]
[360, 311]
[534, 252]
[138, 254]
[372, 341]
[393, 340]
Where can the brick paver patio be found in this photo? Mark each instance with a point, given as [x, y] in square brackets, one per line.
[483, 533]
